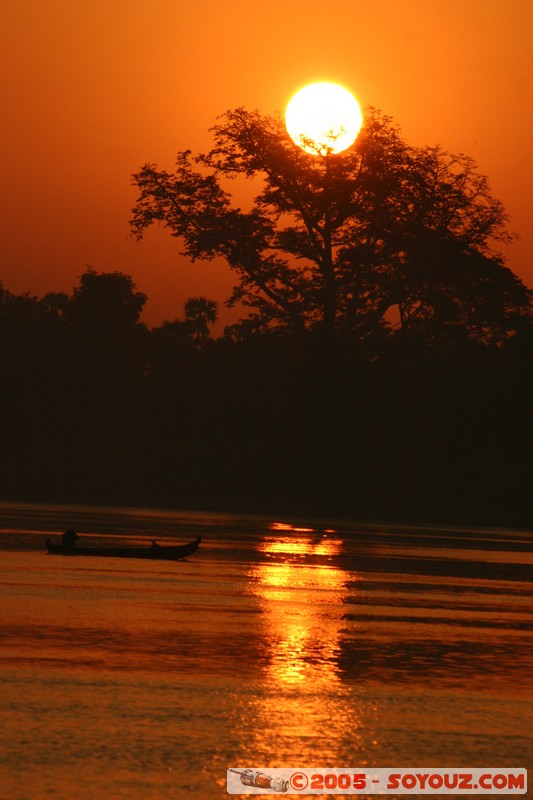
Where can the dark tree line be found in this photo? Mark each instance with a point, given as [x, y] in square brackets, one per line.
[97, 407]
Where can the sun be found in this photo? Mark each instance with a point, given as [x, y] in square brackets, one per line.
[323, 118]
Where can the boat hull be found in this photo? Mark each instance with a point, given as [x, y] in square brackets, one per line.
[157, 552]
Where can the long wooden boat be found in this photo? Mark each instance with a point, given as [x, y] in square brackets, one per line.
[155, 551]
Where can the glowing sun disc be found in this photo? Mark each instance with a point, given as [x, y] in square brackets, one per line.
[323, 118]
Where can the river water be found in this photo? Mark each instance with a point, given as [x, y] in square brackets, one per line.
[280, 643]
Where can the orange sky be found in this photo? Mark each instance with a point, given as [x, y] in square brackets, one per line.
[92, 91]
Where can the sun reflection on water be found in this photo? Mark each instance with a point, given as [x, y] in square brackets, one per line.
[303, 713]
[302, 637]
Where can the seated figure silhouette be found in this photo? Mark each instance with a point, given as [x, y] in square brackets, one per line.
[68, 540]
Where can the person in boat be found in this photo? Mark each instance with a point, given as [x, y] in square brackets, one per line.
[68, 540]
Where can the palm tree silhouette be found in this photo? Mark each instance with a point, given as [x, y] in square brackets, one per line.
[200, 313]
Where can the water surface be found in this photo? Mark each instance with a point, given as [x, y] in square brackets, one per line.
[279, 643]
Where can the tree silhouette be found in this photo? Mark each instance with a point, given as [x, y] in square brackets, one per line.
[108, 344]
[332, 242]
[200, 313]
[105, 301]
[57, 302]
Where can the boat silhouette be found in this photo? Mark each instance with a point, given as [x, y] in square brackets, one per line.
[154, 551]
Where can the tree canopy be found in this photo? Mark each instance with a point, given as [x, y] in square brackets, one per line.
[200, 313]
[106, 300]
[333, 242]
